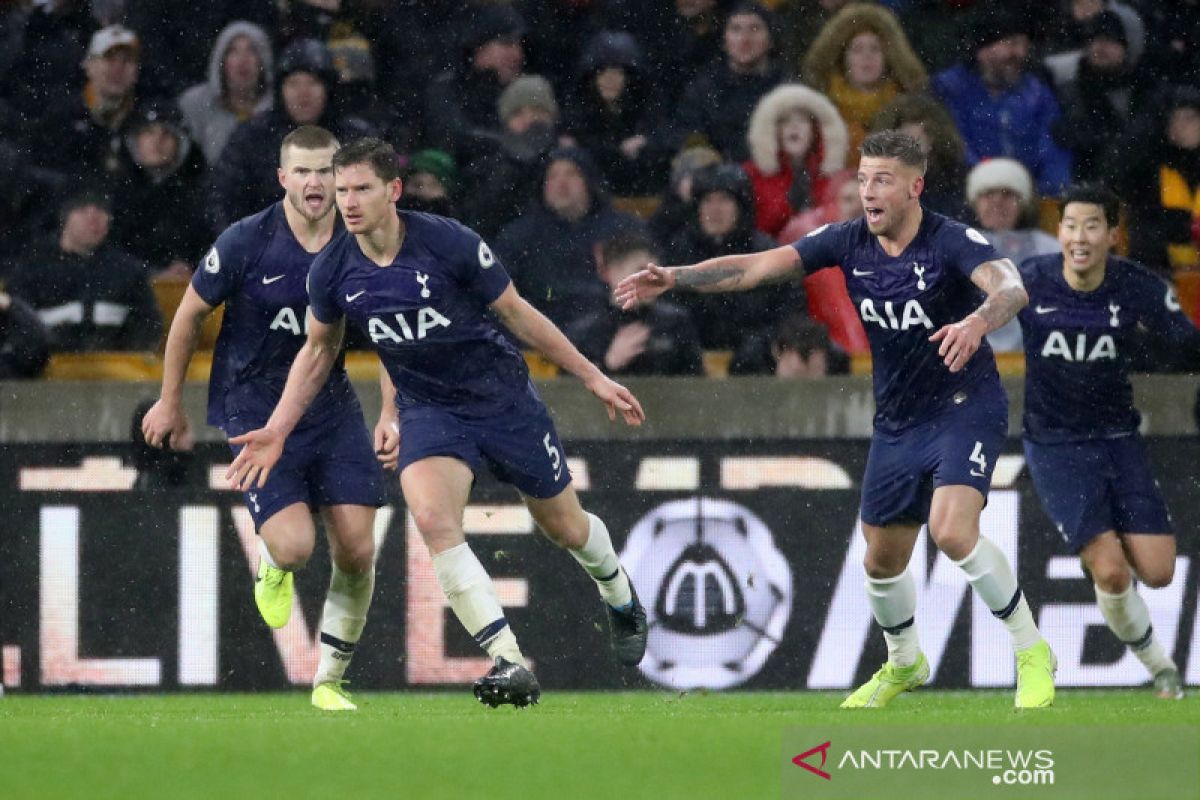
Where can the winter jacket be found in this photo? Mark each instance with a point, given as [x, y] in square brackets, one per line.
[24, 341]
[1017, 124]
[673, 347]
[208, 120]
[717, 106]
[771, 171]
[97, 302]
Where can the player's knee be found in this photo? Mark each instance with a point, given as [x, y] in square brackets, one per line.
[564, 529]
[1111, 575]
[882, 568]
[433, 524]
[291, 556]
[1156, 576]
[356, 559]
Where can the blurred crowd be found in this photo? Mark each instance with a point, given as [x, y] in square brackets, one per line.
[582, 138]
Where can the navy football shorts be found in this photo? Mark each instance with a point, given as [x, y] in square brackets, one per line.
[958, 447]
[330, 464]
[1099, 485]
[520, 446]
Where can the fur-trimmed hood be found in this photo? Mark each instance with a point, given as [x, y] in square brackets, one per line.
[762, 136]
[825, 57]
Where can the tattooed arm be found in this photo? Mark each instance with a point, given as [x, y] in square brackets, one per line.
[1005, 297]
[725, 274]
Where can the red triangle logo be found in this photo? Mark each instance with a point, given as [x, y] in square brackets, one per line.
[823, 749]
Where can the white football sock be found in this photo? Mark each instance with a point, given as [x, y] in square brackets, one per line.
[342, 621]
[473, 599]
[894, 602]
[1129, 618]
[264, 553]
[989, 572]
[600, 560]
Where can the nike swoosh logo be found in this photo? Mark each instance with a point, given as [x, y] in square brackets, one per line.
[978, 474]
[1045, 309]
[350, 298]
[267, 280]
[859, 273]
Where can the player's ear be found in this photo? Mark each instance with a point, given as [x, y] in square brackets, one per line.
[395, 189]
[918, 186]
[282, 176]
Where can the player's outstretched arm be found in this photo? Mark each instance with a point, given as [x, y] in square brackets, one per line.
[387, 430]
[725, 274]
[1005, 297]
[263, 447]
[166, 423]
[531, 326]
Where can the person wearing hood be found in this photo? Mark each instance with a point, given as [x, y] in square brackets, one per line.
[926, 120]
[723, 224]
[717, 103]
[244, 176]
[1157, 171]
[676, 203]
[501, 181]
[161, 201]
[797, 141]
[1107, 91]
[1000, 107]
[240, 80]
[550, 250]
[862, 61]
[460, 103]
[613, 113]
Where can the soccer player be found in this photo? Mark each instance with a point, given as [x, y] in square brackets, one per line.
[257, 269]
[421, 286]
[1081, 430]
[941, 414]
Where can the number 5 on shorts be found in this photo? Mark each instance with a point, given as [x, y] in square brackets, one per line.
[555, 456]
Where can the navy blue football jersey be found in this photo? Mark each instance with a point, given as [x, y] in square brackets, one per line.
[1076, 360]
[427, 314]
[902, 301]
[257, 269]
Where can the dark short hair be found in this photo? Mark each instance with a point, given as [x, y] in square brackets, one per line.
[1094, 194]
[897, 145]
[307, 137]
[625, 244]
[802, 334]
[377, 154]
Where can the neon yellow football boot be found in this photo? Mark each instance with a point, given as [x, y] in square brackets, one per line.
[273, 594]
[332, 696]
[888, 682]
[1035, 676]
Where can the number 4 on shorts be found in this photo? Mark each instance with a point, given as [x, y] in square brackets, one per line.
[977, 457]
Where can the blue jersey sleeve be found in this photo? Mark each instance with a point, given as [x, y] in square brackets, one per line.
[824, 247]
[220, 273]
[479, 268]
[322, 288]
[965, 248]
[1159, 310]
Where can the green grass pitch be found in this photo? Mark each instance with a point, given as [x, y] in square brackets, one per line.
[571, 747]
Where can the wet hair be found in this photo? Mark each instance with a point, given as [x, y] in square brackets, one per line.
[377, 154]
[801, 334]
[897, 145]
[307, 137]
[623, 245]
[1094, 194]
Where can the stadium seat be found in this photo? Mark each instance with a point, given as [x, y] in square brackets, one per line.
[169, 292]
[1187, 285]
[643, 207]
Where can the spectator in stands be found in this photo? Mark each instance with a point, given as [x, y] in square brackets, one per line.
[46, 45]
[1158, 175]
[717, 103]
[89, 294]
[501, 181]
[1000, 191]
[241, 79]
[1076, 23]
[722, 224]
[797, 140]
[86, 135]
[1173, 31]
[24, 340]
[1000, 107]
[676, 205]
[160, 205]
[926, 120]
[796, 347]
[460, 104]
[655, 338]
[862, 61]
[1099, 102]
[613, 113]
[431, 183]
[681, 38]
[550, 250]
[244, 179]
